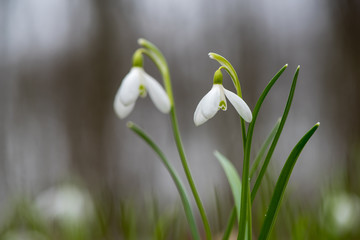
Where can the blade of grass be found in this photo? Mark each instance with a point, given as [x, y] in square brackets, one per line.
[281, 184]
[233, 178]
[235, 184]
[184, 198]
[263, 148]
[277, 136]
[230, 224]
[245, 175]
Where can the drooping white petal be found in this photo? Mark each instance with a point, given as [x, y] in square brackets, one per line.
[208, 106]
[157, 94]
[120, 109]
[129, 88]
[240, 105]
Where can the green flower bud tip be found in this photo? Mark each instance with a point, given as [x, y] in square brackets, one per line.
[138, 58]
[218, 77]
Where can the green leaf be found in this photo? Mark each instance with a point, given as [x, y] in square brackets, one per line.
[263, 148]
[277, 136]
[233, 178]
[281, 184]
[230, 224]
[246, 163]
[179, 185]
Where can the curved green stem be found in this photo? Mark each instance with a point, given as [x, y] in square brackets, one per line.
[157, 57]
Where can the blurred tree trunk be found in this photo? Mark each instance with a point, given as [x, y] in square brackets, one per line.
[346, 27]
[86, 114]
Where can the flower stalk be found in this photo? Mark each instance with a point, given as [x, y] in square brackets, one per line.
[155, 55]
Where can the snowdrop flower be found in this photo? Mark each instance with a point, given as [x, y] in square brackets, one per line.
[66, 204]
[136, 83]
[215, 100]
[341, 213]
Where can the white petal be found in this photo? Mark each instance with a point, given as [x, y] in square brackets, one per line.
[208, 106]
[157, 94]
[120, 109]
[239, 104]
[129, 88]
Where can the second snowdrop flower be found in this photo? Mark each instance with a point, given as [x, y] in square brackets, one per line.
[136, 83]
[215, 99]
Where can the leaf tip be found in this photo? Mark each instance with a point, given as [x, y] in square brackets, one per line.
[211, 55]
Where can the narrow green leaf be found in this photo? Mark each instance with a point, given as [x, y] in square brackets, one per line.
[179, 185]
[281, 184]
[233, 178]
[249, 220]
[263, 148]
[230, 224]
[277, 136]
[246, 163]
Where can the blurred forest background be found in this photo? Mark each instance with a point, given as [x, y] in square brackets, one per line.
[62, 61]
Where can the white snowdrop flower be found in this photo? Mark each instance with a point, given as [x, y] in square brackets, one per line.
[67, 204]
[136, 83]
[215, 99]
[341, 213]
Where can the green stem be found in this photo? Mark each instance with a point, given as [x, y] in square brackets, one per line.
[154, 53]
[188, 173]
[176, 179]
[249, 219]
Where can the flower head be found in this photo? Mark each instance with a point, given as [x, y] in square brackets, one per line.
[215, 99]
[136, 83]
